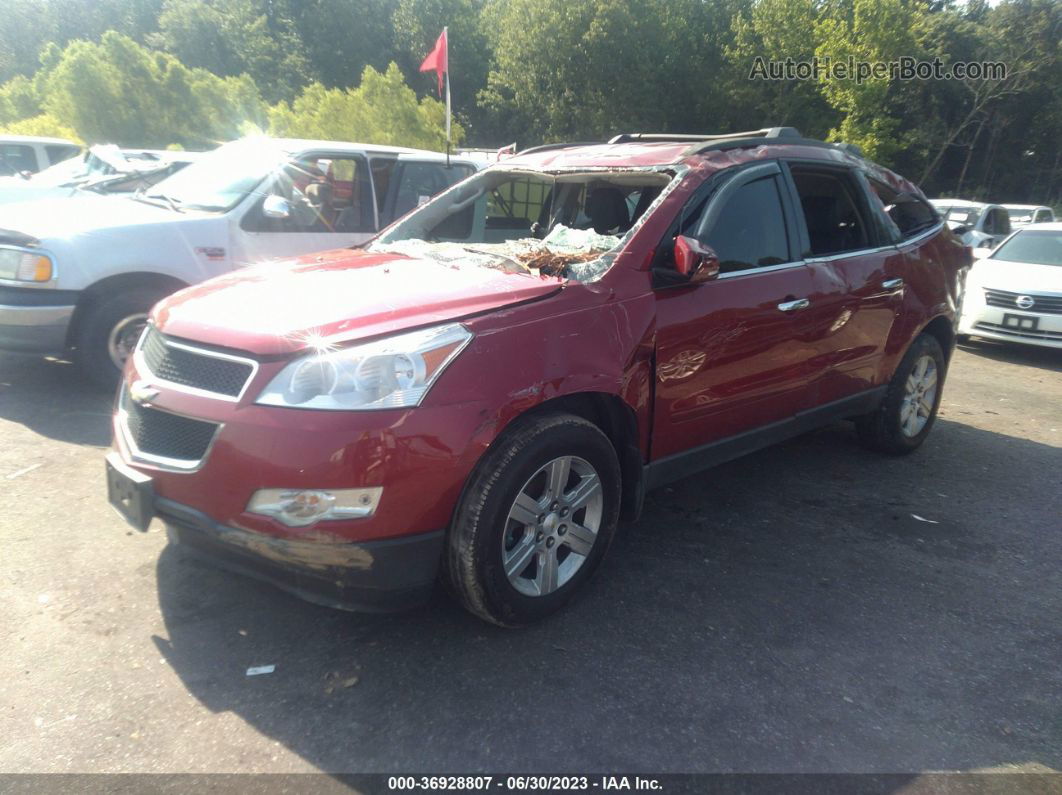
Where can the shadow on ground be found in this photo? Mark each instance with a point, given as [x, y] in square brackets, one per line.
[52, 398]
[1015, 353]
[785, 612]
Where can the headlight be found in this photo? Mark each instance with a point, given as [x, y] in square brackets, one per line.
[392, 373]
[24, 266]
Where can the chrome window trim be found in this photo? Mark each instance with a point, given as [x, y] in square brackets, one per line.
[178, 465]
[861, 252]
[142, 367]
[920, 236]
[781, 266]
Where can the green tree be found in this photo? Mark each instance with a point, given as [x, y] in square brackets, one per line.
[870, 31]
[341, 37]
[776, 30]
[117, 91]
[381, 110]
[590, 69]
[233, 37]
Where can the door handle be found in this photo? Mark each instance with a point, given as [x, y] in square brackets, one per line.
[794, 306]
[892, 284]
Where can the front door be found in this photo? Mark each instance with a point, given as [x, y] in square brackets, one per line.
[330, 202]
[738, 352]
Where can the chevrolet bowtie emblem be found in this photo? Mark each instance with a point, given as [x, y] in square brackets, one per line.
[142, 392]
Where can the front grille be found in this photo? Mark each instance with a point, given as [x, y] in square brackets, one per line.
[1046, 304]
[198, 368]
[1038, 334]
[164, 435]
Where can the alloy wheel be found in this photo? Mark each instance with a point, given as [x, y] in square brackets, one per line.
[920, 393]
[552, 526]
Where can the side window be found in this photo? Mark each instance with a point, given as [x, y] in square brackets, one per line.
[835, 222]
[910, 214]
[325, 193]
[1002, 223]
[60, 152]
[749, 232]
[419, 182]
[989, 225]
[1043, 217]
[16, 158]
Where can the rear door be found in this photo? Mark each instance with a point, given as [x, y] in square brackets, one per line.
[412, 183]
[846, 242]
[737, 353]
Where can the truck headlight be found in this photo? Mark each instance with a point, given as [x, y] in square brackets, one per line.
[386, 374]
[25, 266]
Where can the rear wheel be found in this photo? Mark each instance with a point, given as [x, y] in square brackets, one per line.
[903, 420]
[110, 332]
[535, 520]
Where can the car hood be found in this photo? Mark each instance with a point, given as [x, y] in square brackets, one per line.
[1017, 277]
[338, 297]
[65, 217]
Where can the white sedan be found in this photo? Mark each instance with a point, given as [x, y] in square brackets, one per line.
[1015, 293]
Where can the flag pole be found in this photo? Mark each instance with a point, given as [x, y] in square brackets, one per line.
[446, 32]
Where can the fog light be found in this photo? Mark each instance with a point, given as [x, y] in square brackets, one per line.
[303, 507]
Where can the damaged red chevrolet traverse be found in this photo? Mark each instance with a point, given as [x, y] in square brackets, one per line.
[483, 391]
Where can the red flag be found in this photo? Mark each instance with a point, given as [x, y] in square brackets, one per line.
[437, 60]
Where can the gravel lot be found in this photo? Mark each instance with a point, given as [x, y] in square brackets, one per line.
[785, 612]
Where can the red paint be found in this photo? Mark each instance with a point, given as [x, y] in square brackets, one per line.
[693, 364]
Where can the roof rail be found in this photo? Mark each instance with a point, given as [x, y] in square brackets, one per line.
[766, 132]
[548, 147]
[851, 149]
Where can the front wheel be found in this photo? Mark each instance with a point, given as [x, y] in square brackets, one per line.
[535, 520]
[110, 332]
[903, 420]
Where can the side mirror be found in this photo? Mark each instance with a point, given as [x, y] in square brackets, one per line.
[276, 207]
[694, 260]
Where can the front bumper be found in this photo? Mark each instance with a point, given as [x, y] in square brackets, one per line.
[371, 576]
[982, 320]
[34, 329]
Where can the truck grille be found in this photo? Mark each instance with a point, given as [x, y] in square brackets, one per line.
[158, 434]
[1044, 304]
[197, 368]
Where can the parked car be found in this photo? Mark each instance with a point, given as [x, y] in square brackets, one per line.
[976, 224]
[88, 272]
[1015, 293]
[25, 154]
[502, 374]
[1022, 214]
[102, 169]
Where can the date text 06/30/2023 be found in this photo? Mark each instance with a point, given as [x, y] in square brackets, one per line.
[523, 783]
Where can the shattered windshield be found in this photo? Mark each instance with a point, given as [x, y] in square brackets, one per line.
[530, 222]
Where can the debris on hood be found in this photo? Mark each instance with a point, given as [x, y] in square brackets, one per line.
[551, 256]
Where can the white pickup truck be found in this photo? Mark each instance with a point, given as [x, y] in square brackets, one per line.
[81, 273]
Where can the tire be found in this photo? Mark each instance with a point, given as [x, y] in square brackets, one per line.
[891, 428]
[124, 314]
[485, 539]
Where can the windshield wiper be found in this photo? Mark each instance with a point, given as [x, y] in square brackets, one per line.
[141, 196]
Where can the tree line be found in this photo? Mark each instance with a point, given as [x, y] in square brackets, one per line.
[197, 72]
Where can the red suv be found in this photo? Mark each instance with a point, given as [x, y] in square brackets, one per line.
[485, 389]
